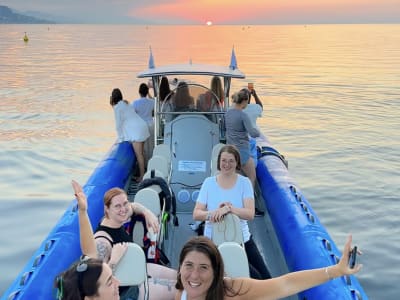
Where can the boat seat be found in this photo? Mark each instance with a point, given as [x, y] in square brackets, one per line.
[228, 230]
[235, 260]
[159, 163]
[164, 151]
[214, 158]
[150, 199]
[132, 268]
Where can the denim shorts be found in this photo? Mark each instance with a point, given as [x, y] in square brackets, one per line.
[244, 154]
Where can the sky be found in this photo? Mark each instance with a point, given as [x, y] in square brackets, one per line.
[230, 12]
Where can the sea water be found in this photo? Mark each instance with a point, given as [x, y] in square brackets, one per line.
[331, 98]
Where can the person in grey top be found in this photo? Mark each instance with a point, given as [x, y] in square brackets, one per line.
[238, 129]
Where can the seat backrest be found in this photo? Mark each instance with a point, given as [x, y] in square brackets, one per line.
[214, 158]
[132, 267]
[157, 173]
[164, 151]
[159, 163]
[228, 230]
[150, 199]
[235, 260]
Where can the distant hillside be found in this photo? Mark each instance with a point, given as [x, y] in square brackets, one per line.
[7, 16]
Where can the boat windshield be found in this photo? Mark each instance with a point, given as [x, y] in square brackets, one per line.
[189, 97]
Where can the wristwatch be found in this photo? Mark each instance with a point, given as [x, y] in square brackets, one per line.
[208, 218]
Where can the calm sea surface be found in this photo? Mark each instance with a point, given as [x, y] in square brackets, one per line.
[331, 99]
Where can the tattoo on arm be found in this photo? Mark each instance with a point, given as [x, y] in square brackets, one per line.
[103, 249]
[164, 282]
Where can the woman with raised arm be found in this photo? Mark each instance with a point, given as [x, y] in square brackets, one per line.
[91, 277]
[238, 129]
[201, 276]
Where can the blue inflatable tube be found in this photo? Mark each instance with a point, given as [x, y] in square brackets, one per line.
[62, 245]
[304, 241]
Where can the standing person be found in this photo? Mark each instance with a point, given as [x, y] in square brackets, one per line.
[144, 107]
[254, 110]
[230, 192]
[165, 89]
[109, 242]
[216, 88]
[238, 129]
[201, 276]
[130, 127]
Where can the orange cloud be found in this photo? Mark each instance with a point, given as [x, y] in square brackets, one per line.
[235, 11]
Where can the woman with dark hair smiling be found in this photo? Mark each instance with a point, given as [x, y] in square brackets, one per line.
[201, 276]
[89, 278]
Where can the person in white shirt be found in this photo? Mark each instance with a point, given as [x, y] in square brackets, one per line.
[130, 127]
[144, 107]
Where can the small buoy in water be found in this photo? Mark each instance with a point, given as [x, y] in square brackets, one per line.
[26, 39]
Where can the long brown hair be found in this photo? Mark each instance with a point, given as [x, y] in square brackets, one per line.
[164, 88]
[182, 99]
[206, 246]
[216, 87]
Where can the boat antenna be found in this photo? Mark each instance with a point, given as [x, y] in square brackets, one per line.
[151, 60]
[233, 64]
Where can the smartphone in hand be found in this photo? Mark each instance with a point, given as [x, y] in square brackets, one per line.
[250, 86]
[353, 257]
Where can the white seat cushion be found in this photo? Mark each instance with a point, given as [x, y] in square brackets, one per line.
[235, 260]
[132, 268]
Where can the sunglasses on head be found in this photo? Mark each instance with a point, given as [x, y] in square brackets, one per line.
[80, 269]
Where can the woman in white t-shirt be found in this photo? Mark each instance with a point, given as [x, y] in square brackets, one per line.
[230, 192]
[130, 127]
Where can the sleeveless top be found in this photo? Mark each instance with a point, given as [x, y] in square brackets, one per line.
[118, 235]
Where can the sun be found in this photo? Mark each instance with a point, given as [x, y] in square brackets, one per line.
[208, 23]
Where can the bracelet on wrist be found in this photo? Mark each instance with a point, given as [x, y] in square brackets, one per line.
[327, 273]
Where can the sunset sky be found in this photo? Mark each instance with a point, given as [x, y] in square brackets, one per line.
[217, 11]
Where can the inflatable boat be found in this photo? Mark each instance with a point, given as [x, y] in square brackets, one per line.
[289, 235]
